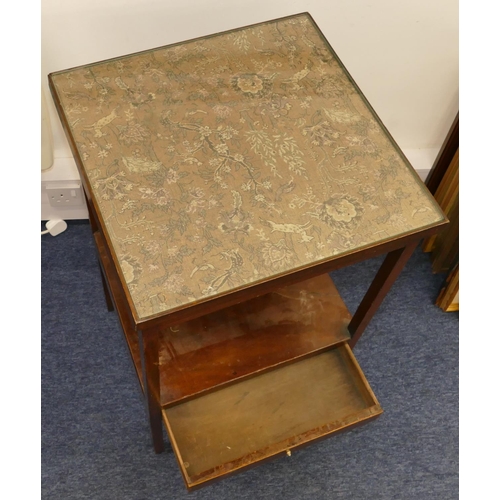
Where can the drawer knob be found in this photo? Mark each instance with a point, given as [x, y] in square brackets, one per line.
[289, 453]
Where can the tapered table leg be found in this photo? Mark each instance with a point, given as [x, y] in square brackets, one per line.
[151, 380]
[95, 227]
[107, 294]
[386, 276]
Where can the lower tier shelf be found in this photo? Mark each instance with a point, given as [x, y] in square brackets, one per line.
[222, 432]
[227, 346]
[249, 338]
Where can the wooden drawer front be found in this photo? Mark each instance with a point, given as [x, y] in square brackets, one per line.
[239, 425]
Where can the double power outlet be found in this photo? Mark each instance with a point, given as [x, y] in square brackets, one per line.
[67, 194]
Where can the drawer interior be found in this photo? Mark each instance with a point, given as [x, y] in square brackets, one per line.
[223, 431]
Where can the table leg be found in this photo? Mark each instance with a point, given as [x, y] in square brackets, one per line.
[386, 276]
[151, 382]
[95, 227]
[107, 294]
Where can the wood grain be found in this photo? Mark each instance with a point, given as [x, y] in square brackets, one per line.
[249, 338]
[448, 297]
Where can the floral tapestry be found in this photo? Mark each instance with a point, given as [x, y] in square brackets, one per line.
[224, 161]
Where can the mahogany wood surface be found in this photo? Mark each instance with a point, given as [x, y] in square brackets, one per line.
[446, 246]
[150, 376]
[444, 157]
[261, 417]
[248, 338]
[252, 337]
[448, 297]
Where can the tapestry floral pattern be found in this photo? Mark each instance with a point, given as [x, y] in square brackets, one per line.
[228, 160]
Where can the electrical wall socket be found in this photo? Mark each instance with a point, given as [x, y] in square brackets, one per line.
[69, 194]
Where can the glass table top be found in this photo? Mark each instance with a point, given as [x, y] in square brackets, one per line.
[228, 160]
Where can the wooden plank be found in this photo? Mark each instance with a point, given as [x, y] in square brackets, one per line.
[272, 413]
[448, 297]
[249, 338]
[444, 157]
[445, 253]
[446, 194]
[450, 187]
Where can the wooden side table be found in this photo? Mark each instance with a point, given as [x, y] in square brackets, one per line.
[225, 177]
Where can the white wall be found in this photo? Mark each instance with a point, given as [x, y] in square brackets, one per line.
[402, 53]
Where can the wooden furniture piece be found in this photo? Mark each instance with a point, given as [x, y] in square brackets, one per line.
[225, 177]
[443, 183]
[445, 156]
[448, 299]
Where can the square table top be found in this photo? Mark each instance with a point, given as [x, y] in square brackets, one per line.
[232, 159]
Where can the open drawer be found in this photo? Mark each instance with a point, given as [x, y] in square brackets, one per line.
[270, 414]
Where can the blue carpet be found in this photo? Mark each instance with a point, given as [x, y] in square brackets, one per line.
[95, 439]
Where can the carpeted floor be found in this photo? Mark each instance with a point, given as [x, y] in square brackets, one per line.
[95, 440]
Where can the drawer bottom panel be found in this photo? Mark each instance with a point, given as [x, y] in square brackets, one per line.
[261, 417]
